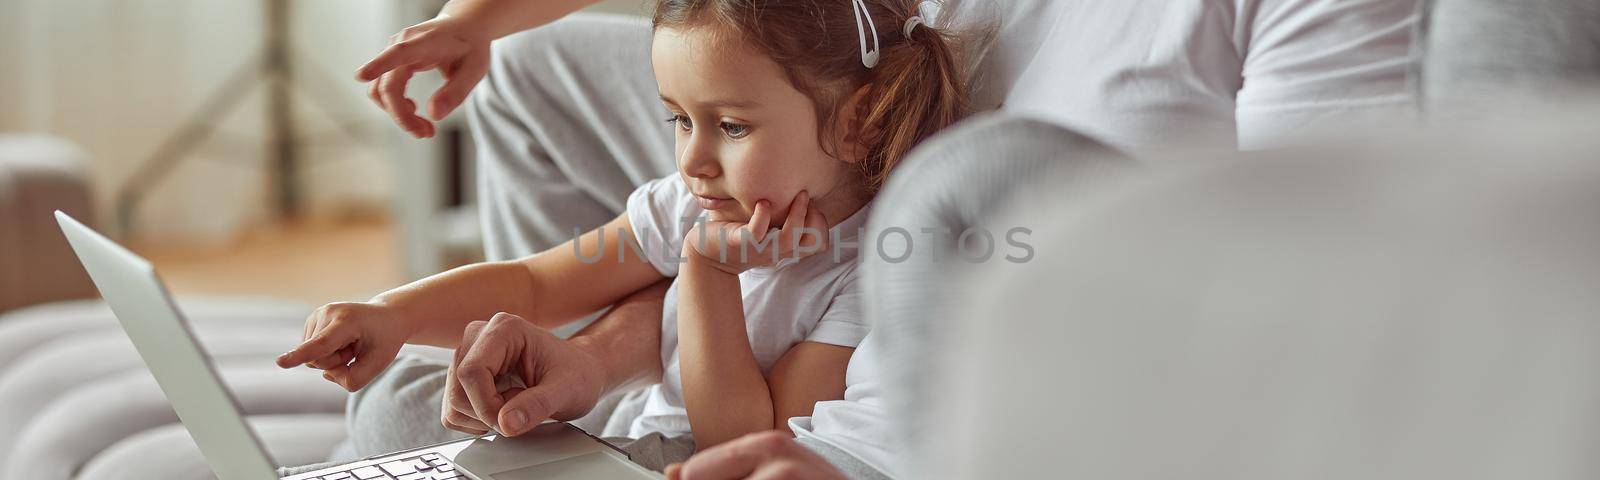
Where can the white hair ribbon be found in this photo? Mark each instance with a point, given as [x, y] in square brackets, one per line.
[927, 11]
[911, 24]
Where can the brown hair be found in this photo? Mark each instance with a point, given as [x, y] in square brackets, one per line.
[917, 87]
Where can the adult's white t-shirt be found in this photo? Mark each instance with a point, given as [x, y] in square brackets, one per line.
[1149, 75]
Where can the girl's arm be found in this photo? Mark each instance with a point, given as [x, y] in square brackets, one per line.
[550, 288]
[354, 341]
[723, 389]
[808, 373]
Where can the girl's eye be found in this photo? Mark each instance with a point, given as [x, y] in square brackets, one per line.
[682, 121]
[735, 130]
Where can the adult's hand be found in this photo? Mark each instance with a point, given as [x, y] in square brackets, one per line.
[509, 375]
[765, 455]
[457, 48]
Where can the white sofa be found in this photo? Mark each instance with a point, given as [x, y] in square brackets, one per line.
[1418, 308]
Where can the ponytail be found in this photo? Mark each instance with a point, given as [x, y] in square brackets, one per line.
[917, 88]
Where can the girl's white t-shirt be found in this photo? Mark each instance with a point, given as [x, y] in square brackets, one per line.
[813, 299]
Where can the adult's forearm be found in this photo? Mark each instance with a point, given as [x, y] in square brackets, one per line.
[499, 18]
[626, 340]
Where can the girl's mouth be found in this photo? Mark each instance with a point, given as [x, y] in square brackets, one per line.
[714, 203]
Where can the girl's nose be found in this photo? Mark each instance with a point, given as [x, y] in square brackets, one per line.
[699, 159]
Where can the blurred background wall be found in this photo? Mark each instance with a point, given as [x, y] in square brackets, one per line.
[120, 78]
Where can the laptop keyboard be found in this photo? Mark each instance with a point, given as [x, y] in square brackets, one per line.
[424, 467]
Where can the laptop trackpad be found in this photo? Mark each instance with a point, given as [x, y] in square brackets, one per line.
[547, 443]
[596, 465]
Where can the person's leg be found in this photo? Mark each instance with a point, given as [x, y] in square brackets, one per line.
[400, 409]
[852, 467]
[654, 450]
[566, 126]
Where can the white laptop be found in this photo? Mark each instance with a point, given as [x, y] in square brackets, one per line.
[208, 410]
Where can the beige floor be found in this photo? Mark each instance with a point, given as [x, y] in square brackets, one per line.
[315, 262]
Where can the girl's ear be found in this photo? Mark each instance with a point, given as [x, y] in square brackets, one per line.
[854, 134]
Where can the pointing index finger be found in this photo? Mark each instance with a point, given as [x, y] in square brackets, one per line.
[322, 345]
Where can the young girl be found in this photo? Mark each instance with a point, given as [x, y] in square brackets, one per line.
[789, 115]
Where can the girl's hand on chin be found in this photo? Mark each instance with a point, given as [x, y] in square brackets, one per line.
[734, 247]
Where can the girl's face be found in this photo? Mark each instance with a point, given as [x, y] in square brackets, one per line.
[744, 134]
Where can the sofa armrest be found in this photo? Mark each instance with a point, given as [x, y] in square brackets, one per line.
[962, 178]
[39, 175]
